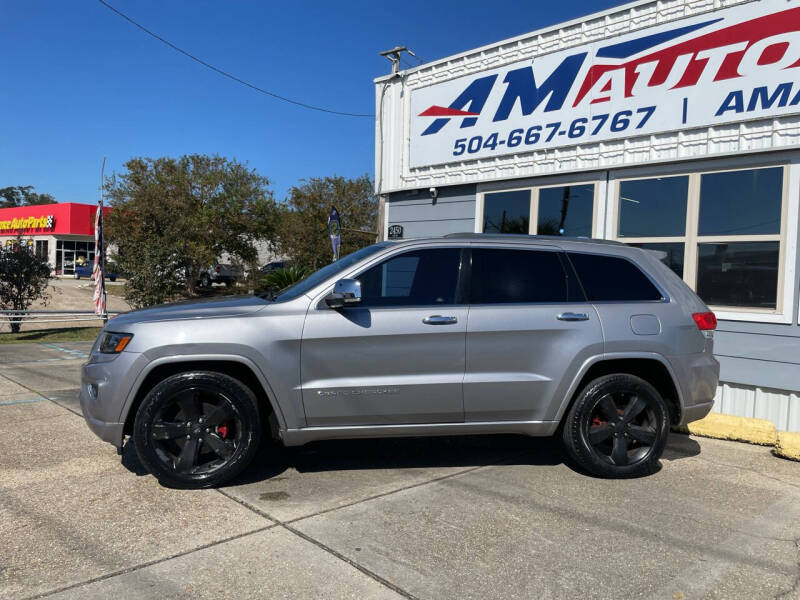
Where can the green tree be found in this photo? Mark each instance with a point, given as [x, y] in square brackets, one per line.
[303, 234]
[22, 195]
[278, 280]
[23, 279]
[173, 217]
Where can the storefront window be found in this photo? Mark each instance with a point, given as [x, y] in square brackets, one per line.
[566, 211]
[42, 249]
[560, 210]
[738, 274]
[507, 212]
[741, 202]
[672, 254]
[732, 256]
[653, 207]
[70, 254]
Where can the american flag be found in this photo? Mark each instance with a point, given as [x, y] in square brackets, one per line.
[99, 296]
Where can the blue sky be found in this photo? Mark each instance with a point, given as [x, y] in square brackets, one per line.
[79, 82]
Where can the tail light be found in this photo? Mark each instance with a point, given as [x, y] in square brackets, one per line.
[706, 321]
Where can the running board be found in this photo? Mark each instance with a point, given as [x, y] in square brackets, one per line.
[298, 437]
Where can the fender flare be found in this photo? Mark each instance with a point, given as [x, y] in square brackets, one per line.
[593, 360]
[179, 358]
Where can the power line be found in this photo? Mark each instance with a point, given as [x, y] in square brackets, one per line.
[225, 73]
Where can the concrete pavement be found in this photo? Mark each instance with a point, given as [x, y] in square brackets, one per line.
[473, 517]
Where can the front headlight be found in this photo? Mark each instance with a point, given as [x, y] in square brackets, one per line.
[113, 343]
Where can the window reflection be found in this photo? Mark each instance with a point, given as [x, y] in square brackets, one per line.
[738, 274]
[507, 212]
[673, 254]
[741, 202]
[653, 207]
[566, 211]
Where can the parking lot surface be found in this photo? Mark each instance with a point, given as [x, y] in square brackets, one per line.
[67, 295]
[470, 517]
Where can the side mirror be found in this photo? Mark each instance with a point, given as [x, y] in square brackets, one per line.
[346, 292]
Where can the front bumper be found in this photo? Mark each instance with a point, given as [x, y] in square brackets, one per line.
[108, 432]
[101, 398]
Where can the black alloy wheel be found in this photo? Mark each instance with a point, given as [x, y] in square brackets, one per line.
[622, 428]
[617, 427]
[197, 429]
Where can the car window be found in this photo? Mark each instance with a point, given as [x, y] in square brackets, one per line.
[329, 271]
[611, 278]
[506, 276]
[420, 277]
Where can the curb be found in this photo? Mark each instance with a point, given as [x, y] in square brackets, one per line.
[788, 445]
[737, 429]
[748, 430]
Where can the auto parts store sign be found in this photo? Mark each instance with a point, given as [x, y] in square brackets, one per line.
[725, 66]
[27, 223]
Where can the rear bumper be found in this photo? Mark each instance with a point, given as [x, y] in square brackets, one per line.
[698, 376]
[695, 413]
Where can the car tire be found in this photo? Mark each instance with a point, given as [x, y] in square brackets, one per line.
[112, 278]
[617, 427]
[205, 281]
[197, 429]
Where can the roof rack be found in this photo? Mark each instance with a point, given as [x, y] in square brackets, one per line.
[521, 236]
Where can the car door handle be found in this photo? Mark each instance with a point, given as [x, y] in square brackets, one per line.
[571, 316]
[439, 320]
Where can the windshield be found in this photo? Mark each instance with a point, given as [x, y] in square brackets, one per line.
[329, 271]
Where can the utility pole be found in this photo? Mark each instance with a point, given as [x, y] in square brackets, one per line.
[393, 56]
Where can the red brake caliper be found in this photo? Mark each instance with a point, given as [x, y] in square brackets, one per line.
[222, 429]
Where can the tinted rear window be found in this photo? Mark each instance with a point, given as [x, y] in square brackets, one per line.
[507, 276]
[610, 278]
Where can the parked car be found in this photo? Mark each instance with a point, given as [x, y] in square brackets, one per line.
[272, 266]
[594, 341]
[219, 273]
[86, 271]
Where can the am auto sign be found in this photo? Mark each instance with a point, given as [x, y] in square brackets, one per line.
[721, 67]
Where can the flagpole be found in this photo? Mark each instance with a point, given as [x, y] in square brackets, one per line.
[102, 244]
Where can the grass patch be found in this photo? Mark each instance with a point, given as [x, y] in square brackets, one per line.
[66, 334]
[115, 289]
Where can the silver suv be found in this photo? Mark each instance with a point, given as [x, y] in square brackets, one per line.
[595, 341]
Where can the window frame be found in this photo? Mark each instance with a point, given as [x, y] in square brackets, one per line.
[462, 279]
[665, 297]
[561, 255]
[691, 238]
[533, 210]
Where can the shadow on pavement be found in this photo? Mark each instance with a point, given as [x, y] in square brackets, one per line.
[404, 453]
[130, 460]
[680, 445]
[410, 453]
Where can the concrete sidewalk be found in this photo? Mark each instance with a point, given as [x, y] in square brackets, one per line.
[473, 517]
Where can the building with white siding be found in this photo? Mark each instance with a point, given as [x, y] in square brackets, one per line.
[670, 124]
